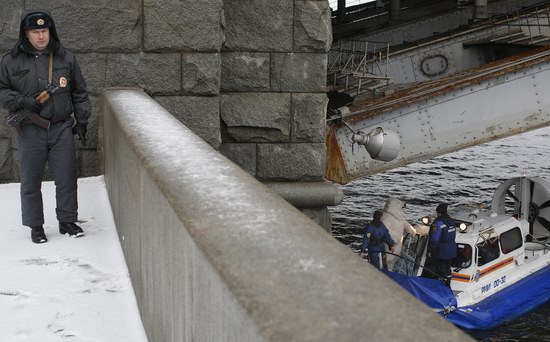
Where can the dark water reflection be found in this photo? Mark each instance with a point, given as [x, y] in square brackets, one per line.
[465, 178]
[531, 327]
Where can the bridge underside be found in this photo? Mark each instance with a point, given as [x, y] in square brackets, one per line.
[479, 84]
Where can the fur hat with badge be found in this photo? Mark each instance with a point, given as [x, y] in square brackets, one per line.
[37, 20]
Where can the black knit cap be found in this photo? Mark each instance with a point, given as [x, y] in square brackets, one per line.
[378, 215]
[37, 20]
[441, 208]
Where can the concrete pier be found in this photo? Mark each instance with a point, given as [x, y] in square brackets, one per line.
[214, 255]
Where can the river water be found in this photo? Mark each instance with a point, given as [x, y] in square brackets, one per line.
[464, 178]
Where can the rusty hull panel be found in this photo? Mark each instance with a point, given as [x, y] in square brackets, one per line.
[335, 169]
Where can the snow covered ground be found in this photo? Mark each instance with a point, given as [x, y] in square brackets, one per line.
[66, 289]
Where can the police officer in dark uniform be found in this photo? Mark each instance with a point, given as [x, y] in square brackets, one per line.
[42, 77]
[441, 246]
[374, 241]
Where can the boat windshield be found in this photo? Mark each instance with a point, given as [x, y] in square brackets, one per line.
[463, 256]
[487, 250]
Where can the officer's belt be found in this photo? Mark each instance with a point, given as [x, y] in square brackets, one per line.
[40, 121]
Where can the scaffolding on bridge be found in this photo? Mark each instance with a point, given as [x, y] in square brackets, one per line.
[357, 66]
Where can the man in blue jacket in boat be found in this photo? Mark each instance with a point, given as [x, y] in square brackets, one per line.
[441, 246]
[374, 241]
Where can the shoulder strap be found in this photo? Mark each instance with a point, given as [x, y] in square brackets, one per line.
[50, 68]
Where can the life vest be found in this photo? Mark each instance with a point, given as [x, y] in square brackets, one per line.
[448, 234]
[447, 245]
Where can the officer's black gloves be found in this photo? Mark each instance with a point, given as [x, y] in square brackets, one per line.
[29, 103]
[80, 130]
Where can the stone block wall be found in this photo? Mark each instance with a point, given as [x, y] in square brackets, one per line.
[246, 76]
[278, 69]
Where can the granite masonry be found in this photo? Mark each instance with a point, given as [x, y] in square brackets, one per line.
[246, 76]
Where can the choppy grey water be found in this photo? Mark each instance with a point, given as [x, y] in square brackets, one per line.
[467, 177]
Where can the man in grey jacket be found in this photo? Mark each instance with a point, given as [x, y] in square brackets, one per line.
[41, 77]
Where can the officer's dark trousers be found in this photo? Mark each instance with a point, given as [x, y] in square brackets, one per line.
[443, 267]
[438, 269]
[56, 146]
[378, 259]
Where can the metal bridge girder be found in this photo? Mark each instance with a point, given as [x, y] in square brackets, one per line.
[472, 111]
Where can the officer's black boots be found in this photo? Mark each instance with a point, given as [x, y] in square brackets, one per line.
[70, 229]
[65, 228]
[37, 235]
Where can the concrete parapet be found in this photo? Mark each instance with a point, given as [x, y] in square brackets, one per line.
[214, 255]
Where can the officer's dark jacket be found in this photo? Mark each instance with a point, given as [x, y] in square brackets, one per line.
[442, 243]
[23, 72]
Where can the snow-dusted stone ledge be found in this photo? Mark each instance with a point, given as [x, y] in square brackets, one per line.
[214, 255]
